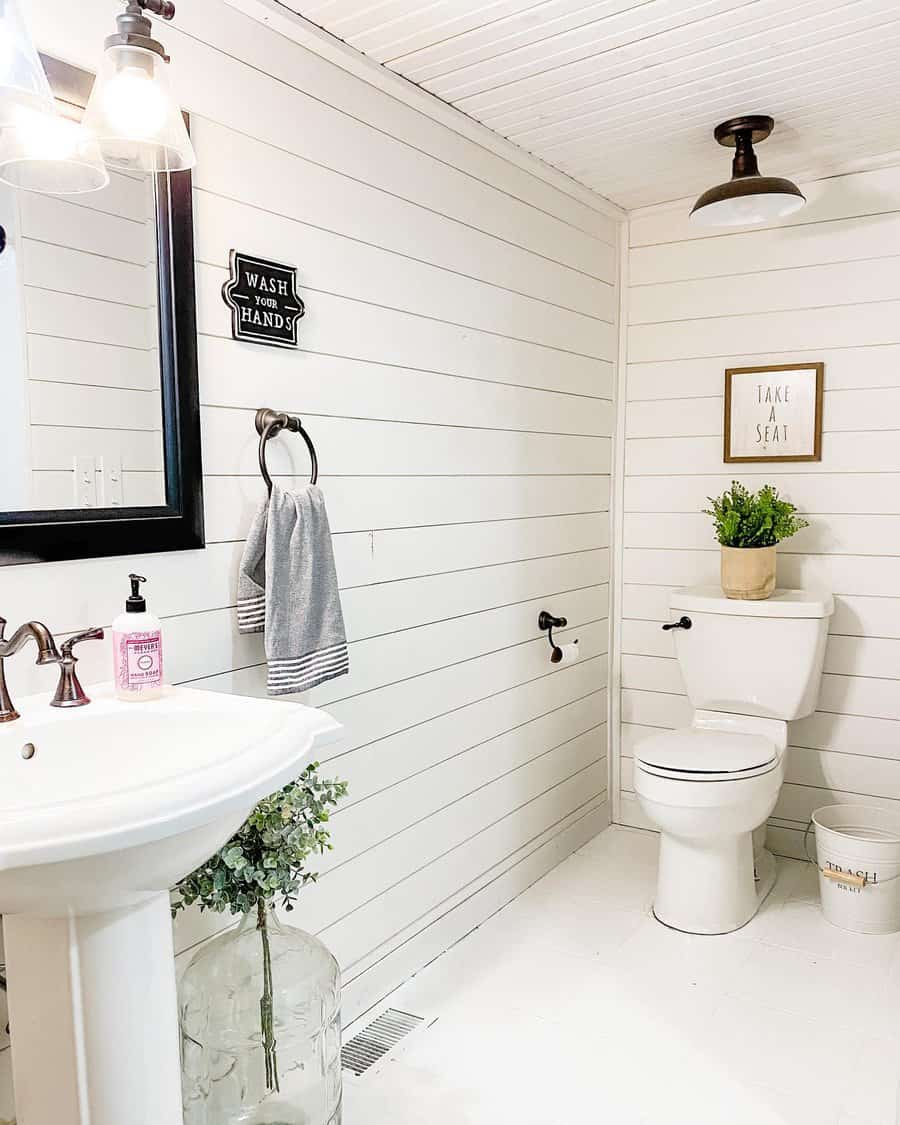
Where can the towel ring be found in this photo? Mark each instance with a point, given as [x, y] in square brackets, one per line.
[268, 424]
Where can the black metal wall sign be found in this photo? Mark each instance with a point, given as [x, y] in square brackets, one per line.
[262, 295]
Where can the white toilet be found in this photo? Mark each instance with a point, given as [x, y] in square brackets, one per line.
[749, 667]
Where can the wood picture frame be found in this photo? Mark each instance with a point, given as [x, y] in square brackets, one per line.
[767, 413]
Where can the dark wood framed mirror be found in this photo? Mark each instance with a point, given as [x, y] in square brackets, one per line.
[99, 397]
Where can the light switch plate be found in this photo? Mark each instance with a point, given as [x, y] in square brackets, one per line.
[110, 474]
[85, 482]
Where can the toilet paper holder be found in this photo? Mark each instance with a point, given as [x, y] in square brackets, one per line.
[547, 623]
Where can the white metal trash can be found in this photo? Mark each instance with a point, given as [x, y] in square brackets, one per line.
[858, 857]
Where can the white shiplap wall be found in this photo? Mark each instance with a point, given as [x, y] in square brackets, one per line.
[825, 286]
[456, 374]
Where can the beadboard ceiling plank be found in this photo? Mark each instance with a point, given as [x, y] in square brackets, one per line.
[792, 88]
[540, 62]
[534, 27]
[682, 48]
[432, 24]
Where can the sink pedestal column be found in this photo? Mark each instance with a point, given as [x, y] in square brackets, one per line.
[93, 1017]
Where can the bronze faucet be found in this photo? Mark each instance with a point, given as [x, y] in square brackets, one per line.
[47, 654]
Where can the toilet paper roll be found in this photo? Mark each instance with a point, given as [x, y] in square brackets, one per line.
[567, 653]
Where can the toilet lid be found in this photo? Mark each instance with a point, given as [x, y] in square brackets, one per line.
[701, 754]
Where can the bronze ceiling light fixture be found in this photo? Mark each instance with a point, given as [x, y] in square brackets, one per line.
[747, 197]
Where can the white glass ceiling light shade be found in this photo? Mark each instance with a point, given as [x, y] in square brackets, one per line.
[131, 111]
[49, 153]
[22, 78]
[747, 197]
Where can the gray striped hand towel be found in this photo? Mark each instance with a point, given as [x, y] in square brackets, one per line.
[288, 589]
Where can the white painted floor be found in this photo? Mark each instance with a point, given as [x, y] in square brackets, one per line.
[574, 1005]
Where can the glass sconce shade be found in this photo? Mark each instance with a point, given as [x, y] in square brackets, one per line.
[22, 78]
[131, 112]
[43, 151]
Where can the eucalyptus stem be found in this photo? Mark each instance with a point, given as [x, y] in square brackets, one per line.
[266, 1002]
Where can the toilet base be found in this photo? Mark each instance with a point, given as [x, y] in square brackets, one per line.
[764, 866]
[711, 886]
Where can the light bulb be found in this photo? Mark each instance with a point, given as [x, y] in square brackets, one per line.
[134, 104]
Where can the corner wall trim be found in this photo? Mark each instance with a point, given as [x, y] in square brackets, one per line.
[617, 505]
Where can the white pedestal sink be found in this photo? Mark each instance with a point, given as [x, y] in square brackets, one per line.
[116, 802]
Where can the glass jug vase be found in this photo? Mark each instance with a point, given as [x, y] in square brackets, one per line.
[259, 1010]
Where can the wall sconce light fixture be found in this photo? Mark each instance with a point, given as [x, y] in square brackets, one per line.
[23, 82]
[747, 197]
[131, 111]
[39, 148]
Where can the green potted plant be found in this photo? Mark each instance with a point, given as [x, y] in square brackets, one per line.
[748, 525]
[259, 1005]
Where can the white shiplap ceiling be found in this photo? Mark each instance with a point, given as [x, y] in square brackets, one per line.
[623, 95]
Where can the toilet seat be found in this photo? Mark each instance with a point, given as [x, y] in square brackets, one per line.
[706, 755]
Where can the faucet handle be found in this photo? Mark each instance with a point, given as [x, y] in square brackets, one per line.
[69, 692]
[92, 634]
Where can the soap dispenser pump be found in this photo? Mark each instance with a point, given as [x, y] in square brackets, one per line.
[137, 648]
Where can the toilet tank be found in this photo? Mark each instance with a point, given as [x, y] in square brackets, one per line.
[752, 658]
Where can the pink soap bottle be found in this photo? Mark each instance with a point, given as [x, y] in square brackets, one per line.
[137, 648]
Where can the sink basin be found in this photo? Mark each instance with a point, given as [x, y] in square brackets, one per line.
[102, 809]
[167, 782]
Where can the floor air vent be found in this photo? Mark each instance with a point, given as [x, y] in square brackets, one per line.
[375, 1040]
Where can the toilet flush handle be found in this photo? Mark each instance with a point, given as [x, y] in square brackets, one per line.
[681, 623]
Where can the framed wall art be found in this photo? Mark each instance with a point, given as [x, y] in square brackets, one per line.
[774, 413]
